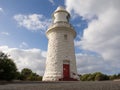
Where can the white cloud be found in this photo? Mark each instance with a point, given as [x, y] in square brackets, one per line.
[35, 60]
[1, 10]
[23, 45]
[52, 1]
[4, 33]
[27, 58]
[91, 63]
[103, 33]
[32, 22]
[90, 8]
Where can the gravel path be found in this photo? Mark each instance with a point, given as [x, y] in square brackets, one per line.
[73, 85]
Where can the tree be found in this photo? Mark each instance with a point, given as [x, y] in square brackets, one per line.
[18, 76]
[105, 77]
[25, 73]
[99, 76]
[8, 68]
[91, 77]
[34, 77]
[84, 77]
[118, 76]
[112, 77]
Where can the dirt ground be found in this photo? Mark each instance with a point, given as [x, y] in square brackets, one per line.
[71, 85]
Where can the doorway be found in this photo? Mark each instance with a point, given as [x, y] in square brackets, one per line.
[66, 71]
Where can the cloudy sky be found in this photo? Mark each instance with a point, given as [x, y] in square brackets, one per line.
[23, 24]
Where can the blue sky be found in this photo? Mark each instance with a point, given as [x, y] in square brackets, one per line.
[34, 38]
[23, 24]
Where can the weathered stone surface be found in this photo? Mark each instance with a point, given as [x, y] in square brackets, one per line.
[60, 47]
[59, 50]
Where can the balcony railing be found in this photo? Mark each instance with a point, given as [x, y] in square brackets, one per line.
[61, 24]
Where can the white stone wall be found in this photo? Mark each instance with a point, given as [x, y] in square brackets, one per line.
[59, 49]
[61, 16]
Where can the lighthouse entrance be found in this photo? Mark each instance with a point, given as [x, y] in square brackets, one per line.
[66, 71]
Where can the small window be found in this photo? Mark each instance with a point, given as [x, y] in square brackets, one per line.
[65, 36]
[67, 17]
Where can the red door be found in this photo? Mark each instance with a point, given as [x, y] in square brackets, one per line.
[66, 71]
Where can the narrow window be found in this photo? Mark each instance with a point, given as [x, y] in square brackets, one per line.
[67, 17]
[65, 36]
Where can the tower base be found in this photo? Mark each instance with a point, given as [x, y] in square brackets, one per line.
[60, 79]
[68, 79]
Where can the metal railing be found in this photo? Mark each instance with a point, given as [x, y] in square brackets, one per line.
[61, 24]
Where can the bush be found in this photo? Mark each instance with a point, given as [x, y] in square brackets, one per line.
[97, 76]
[27, 74]
[8, 68]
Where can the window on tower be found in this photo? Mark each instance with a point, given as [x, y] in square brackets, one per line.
[67, 18]
[65, 36]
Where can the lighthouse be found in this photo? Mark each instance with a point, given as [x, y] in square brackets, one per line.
[61, 61]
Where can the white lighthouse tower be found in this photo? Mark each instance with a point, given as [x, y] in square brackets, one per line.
[61, 61]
